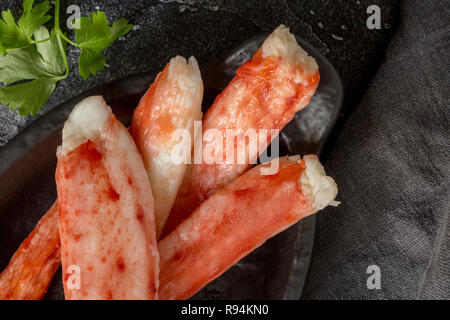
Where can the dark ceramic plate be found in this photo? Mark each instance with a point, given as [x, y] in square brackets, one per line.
[277, 270]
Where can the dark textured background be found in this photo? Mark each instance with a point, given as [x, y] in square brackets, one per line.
[207, 29]
[391, 163]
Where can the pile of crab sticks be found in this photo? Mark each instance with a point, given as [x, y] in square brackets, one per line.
[132, 223]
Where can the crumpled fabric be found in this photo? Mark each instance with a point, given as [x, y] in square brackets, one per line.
[392, 165]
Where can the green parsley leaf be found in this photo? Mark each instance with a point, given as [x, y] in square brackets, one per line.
[33, 60]
[49, 50]
[14, 36]
[42, 61]
[33, 18]
[43, 64]
[94, 36]
[11, 36]
[29, 97]
[90, 62]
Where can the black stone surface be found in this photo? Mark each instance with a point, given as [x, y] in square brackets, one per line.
[208, 29]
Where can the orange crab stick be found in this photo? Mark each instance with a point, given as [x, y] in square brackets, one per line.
[266, 93]
[106, 209]
[239, 218]
[32, 267]
[173, 102]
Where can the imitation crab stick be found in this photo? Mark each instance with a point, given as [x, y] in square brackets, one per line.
[173, 102]
[32, 267]
[237, 219]
[266, 93]
[106, 209]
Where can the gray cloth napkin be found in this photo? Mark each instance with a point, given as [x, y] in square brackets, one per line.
[392, 165]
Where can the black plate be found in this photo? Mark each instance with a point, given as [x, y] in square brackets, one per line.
[276, 270]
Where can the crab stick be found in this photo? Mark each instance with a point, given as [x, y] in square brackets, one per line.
[106, 209]
[266, 93]
[239, 218]
[34, 264]
[173, 102]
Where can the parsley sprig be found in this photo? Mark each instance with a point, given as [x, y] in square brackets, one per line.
[33, 59]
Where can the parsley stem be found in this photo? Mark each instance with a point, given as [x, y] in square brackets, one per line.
[58, 38]
[67, 39]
